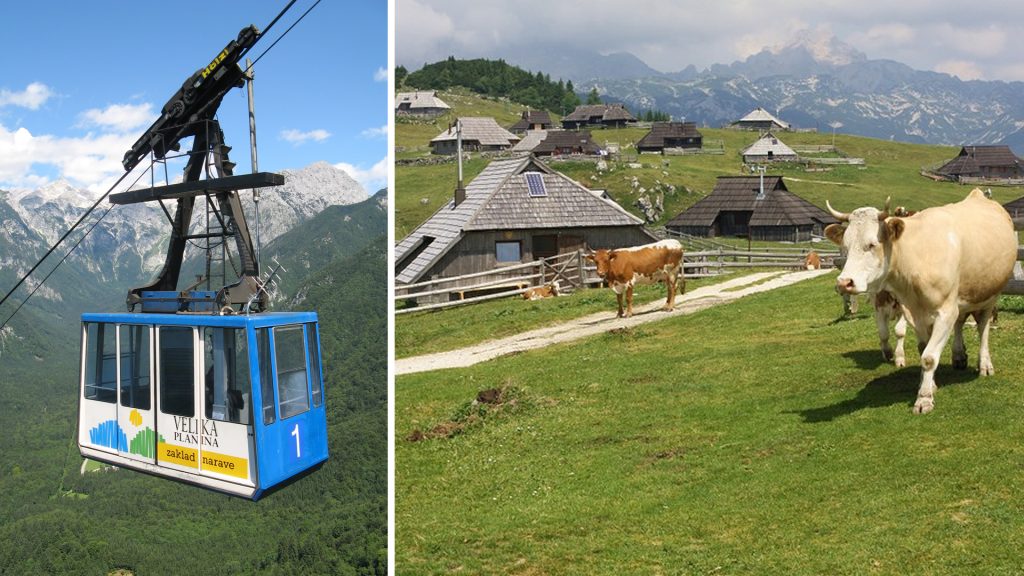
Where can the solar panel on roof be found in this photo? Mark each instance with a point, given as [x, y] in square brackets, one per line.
[535, 182]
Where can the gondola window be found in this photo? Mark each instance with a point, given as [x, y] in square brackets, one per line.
[266, 382]
[100, 363]
[227, 375]
[314, 362]
[177, 380]
[135, 353]
[292, 389]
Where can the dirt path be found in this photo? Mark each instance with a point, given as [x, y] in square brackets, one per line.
[691, 302]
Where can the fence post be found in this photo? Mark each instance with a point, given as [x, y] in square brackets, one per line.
[579, 267]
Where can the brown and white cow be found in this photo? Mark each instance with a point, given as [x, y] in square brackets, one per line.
[625, 267]
[538, 292]
[942, 265]
[812, 261]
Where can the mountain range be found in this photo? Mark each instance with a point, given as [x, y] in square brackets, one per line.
[814, 82]
[127, 246]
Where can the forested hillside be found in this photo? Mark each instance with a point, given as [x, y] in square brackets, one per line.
[55, 520]
[495, 78]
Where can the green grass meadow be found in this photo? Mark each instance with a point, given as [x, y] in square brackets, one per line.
[764, 436]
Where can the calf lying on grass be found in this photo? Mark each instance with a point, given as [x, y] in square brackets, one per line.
[538, 292]
[625, 267]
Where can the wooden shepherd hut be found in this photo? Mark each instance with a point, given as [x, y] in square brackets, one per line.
[996, 162]
[425, 103]
[761, 119]
[741, 206]
[670, 135]
[769, 148]
[599, 116]
[482, 134]
[517, 210]
[532, 120]
[567, 143]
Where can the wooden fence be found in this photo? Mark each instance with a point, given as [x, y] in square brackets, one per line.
[566, 269]
[572, 271]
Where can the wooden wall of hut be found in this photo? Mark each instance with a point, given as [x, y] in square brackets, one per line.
[476, 251]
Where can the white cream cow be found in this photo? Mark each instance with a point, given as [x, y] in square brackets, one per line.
[942, 265]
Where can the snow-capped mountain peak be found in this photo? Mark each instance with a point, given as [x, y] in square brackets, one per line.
[823, 47]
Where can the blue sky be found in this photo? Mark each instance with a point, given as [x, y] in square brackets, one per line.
[80, 81]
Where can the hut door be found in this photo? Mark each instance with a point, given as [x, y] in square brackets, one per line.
[545, 246]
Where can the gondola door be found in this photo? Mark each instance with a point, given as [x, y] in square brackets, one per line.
[135, 415]
[177, 418]
[226, 432]
[98, 428]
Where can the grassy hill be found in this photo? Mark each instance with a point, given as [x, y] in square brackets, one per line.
[892, 168]
[759, 437]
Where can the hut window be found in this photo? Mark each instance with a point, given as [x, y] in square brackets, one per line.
[535, 182]
[508, 251]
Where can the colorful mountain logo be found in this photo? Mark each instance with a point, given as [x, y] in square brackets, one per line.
[109, 434]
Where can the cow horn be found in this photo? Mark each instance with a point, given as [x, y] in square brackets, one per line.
[841, 216]
[885, 211]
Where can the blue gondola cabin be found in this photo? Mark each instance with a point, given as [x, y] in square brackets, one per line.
[233, 403]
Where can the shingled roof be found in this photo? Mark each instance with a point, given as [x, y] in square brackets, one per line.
[499, 199]
[414, 101]
[558, 140]
[606, 112]
[761, 116]
[768, 146]
[973, 160]
[484, 130]
[661, 131]
[778, 207]
[531, 118]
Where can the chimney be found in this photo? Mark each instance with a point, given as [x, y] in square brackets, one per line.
[460, 194]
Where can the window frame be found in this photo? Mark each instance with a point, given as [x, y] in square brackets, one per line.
[285, 377]
[497, 252]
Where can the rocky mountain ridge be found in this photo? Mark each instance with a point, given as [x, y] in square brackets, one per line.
[127, 244]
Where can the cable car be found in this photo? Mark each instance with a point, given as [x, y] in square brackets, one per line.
[204, 386]
[231, 403]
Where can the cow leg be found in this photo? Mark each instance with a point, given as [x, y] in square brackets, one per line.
[629, 301]
[618, 298]
[939, 334]
[670, 303]
[882, 323]
[984, 320]
[959, 350]
[899, 357]
[924, 334]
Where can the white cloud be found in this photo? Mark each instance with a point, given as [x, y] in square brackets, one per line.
[381, 75]
[374, 133]
[372, 179]
[891, 34]
[298, 137]
[90, 161]
[963, 69]
[32, 97]
[119, 117]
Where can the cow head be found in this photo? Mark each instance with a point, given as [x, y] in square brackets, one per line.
[867, 240]
[603, 259]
